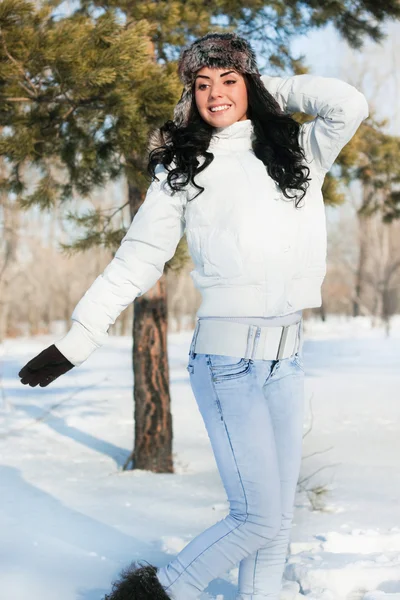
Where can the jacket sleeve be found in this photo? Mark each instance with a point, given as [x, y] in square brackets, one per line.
[149, 243]
[339, 109]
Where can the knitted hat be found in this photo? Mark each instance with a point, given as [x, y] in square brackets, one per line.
[218, 50]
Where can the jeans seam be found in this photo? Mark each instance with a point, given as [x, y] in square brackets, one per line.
[245, 497]
[254, 572]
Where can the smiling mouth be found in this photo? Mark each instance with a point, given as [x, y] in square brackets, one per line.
[216, 112]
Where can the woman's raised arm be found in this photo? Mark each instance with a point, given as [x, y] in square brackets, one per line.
[339, 109]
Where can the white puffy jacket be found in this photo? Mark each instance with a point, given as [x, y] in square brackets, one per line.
[254, 253]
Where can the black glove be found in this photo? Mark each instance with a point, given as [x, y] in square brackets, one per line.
[45, 367]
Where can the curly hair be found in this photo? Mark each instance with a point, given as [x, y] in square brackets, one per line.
[275, 143]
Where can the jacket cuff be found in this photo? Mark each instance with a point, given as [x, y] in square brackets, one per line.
[76, 346]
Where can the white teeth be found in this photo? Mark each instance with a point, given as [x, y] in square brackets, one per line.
[225, 106]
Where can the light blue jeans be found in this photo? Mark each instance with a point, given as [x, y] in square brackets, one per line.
[253, 412]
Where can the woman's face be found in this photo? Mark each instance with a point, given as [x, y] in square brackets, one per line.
[221, 87]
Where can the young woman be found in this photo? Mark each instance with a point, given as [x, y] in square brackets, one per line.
[243, 179]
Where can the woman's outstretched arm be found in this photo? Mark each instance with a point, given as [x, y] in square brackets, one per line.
[149, 243]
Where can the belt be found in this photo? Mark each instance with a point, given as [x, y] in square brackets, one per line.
[263, 342]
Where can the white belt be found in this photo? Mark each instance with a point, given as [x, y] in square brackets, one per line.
[246, 341]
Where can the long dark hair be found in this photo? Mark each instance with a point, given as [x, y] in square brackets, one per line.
[276, 144]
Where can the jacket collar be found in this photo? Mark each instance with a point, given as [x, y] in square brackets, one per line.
[237, 136]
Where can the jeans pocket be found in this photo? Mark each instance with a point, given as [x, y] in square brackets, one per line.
[224, 367]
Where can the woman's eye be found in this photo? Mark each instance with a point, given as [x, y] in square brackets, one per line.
[228, 81]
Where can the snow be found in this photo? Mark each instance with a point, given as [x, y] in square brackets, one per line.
[70, 518]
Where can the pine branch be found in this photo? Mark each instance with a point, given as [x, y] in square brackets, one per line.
[19, 67]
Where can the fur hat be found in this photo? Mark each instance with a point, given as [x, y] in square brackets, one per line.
[218, 50]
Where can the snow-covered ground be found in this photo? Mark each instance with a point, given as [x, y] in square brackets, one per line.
[70, 518]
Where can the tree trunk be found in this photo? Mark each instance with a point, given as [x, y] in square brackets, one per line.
[363, 223]
[322, 312]
[359, 286]
[359, 274]
[152, 413]
[9, 233]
